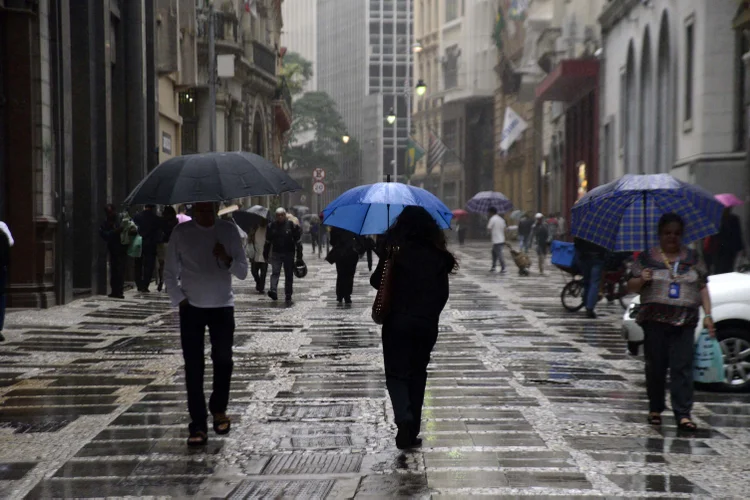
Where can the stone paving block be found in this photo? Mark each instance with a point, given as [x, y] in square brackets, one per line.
[656, 484]
[14, 471]
[400, 485]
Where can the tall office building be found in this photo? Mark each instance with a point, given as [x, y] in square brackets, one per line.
[364, 49]
[300, 32]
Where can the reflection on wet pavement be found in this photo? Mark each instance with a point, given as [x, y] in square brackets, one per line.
[522, 399]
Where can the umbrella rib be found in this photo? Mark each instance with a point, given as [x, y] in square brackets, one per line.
[364, 219]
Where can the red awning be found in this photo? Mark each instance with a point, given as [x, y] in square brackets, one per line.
[570, 80]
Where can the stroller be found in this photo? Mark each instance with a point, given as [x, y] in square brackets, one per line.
[522, 261]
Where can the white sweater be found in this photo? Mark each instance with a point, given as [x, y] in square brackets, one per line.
[192, 271]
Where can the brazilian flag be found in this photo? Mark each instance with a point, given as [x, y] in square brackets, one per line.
[497, 32]
[414, 152]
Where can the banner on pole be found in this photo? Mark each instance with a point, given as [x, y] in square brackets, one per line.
[513, 127]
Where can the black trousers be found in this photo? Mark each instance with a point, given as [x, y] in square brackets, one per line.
[407, 344]
[145, 267]
[193, 323]
[669, 347]
[281, 261]
[259, 271]
[117, 259]
[346, 268]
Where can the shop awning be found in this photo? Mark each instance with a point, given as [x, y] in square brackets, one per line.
[570, 80]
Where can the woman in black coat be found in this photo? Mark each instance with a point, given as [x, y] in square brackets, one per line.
[418, 293]
[346, 246]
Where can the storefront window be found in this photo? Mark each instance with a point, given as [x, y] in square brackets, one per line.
[583, 183]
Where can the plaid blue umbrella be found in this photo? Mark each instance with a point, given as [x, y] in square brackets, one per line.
[623, 216]
[373, 208]
[482, 202]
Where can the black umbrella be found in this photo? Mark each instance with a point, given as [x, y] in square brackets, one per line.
[250, 217]
[211, 177]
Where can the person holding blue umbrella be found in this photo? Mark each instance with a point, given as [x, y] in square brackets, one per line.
[418, 268]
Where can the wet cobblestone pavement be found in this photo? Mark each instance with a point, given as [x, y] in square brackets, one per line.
[523, 399]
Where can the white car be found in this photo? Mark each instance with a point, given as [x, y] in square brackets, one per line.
[730, 301]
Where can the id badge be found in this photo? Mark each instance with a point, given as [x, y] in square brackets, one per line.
[674, 291]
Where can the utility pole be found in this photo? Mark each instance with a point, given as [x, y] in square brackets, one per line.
[395, 90]
[211, 78]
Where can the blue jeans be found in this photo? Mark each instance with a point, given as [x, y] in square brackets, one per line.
[592, 277]
[497, 255]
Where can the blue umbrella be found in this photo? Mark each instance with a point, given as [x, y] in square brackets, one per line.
[372, 209]
[623, 216]
[482, 202]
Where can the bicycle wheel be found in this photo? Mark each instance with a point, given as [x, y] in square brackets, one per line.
[572, 296]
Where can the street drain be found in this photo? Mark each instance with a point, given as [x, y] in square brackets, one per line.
[313, 463]
[282, 489]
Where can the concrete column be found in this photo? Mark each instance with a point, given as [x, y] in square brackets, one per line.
[221, 127]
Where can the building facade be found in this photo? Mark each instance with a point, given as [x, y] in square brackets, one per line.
[300, 33]
[674, 92]
[364, 63]
[78, 122]
[456, 61]
[252, 111]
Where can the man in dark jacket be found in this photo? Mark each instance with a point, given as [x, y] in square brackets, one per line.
[110, 231]
[150, 227]
[524, 232]
[282, 241]
[591, 258]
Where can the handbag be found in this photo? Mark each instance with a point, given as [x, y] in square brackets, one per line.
[708, 362]
[381, 308]
[135, 249]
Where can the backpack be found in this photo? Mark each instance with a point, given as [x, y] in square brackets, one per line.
[4, 249]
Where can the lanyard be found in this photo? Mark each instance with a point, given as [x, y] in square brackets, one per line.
[672, 272]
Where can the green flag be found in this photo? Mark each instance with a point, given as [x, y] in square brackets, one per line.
[414, 152]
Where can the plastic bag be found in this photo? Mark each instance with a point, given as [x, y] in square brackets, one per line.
[708, 365]
[135, 249]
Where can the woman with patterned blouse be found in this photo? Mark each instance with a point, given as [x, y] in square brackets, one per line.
[672, 282]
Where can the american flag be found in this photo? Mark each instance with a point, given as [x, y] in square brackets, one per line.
[435, 152]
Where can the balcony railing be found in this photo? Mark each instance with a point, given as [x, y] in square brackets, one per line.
[226, 26]
[264, 58]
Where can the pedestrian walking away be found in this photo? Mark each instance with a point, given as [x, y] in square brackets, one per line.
[111, 231]
[540, 238]
[418, 287]
[259, 265]
[345, 253]
[202, 256]
[282, 241]
[722, 249]
[591, 259]
[150, 228]
[6, 243]
[497, 226]
[672, 282]
[169, 222]
[524, 231]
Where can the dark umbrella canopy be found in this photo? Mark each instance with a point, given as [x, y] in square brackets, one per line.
[211, 177]
[250, 217]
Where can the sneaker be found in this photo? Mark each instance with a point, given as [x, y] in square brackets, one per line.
[591, 314]
[273, 295]
[2, 338]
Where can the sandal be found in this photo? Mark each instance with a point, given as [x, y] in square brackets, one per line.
[222, 424]
[654, 419]
[197, 438]
[687, 425]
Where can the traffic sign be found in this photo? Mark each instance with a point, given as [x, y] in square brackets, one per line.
[319, 174]
[319, 188]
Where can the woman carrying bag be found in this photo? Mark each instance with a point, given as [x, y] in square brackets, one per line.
[412, 282]
[672, 282]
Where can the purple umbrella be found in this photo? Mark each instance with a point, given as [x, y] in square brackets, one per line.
[482, 202]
